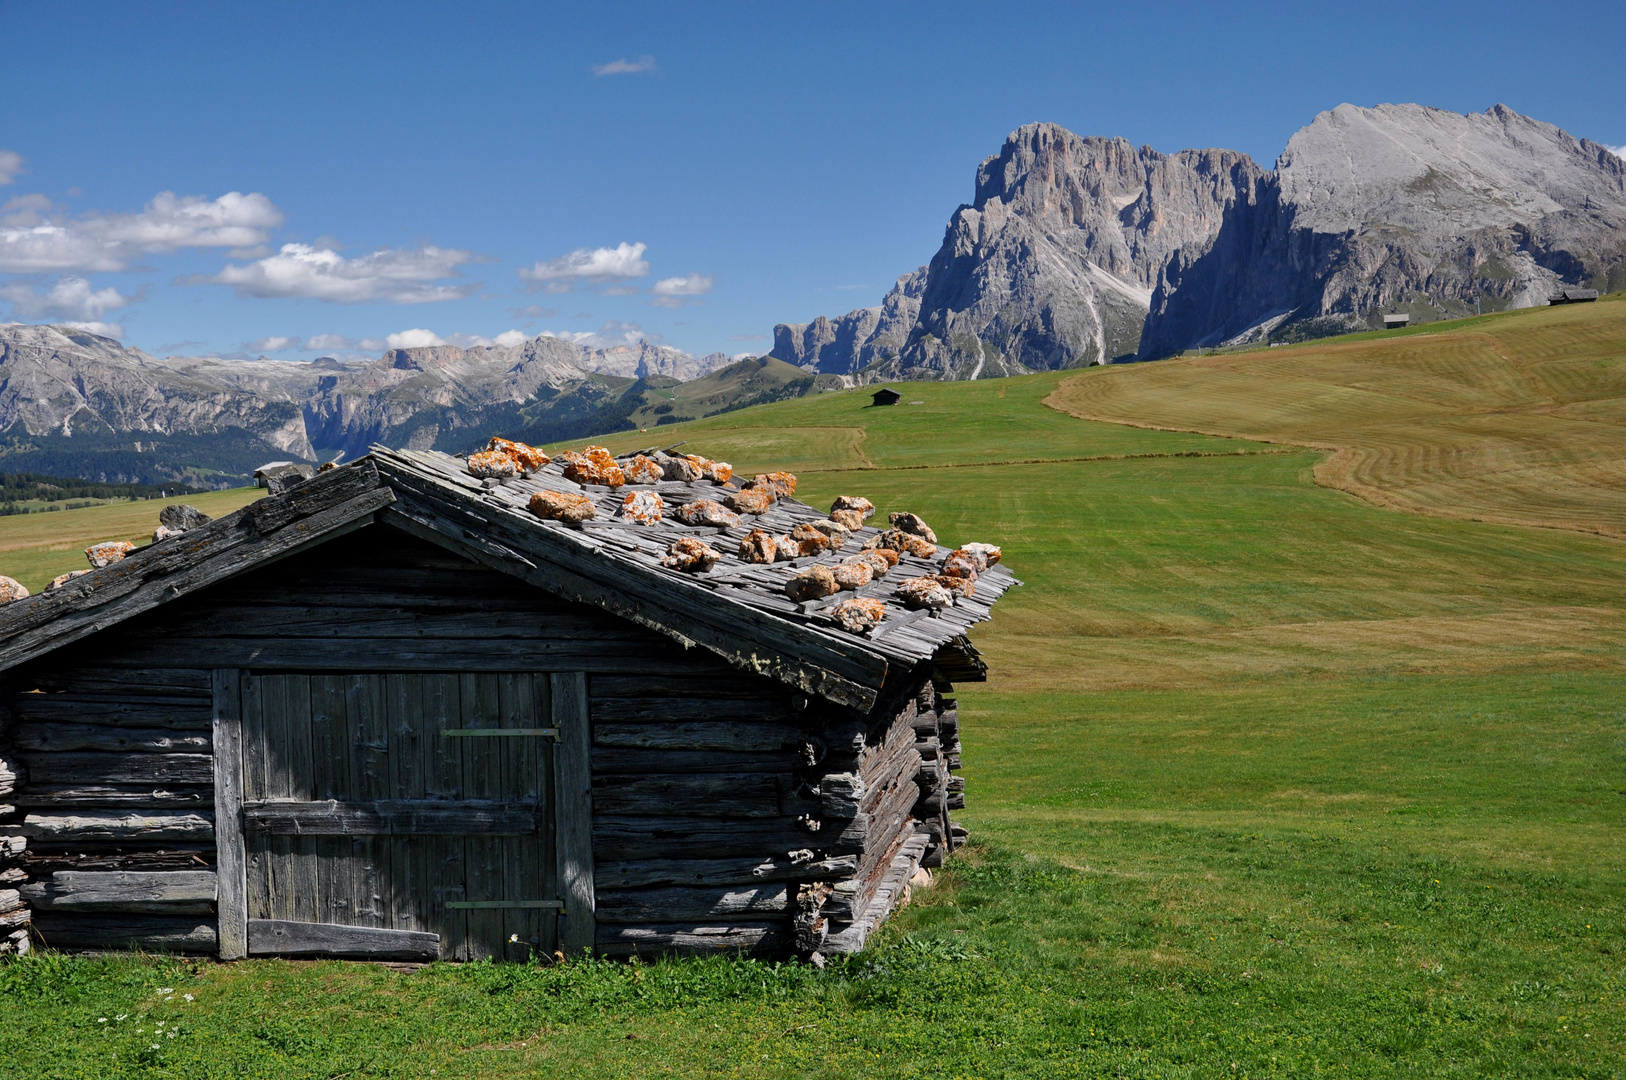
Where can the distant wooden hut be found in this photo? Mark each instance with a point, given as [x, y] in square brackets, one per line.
[1395, 320]
[1570, 294]
[885, 396]
[390, 713]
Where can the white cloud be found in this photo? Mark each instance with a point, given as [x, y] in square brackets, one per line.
[414, 339]
[103, 329]
[509, 338]
[271, 344]
[1618, 151]
[70, 298]
[36, 239]
[391, 275]
[596, 265]
[611, 335]
[623, 66]
[669, 292]
[11, 166]
[328, 342]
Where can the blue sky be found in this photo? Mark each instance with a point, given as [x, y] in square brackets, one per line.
[230, 178]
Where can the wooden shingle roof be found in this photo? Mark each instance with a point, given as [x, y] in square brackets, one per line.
[736, 610]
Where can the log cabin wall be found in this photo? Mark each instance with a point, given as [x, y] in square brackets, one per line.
[727, 811]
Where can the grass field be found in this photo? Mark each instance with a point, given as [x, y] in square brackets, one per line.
[1267, 781]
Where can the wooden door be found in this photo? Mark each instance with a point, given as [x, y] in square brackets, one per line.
[400, 815]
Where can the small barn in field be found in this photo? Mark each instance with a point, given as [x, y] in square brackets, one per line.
[392, 713]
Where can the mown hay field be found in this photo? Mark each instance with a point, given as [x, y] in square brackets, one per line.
[1267, 780]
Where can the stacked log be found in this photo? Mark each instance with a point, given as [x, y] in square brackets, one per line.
[118, 813]
[14, 913]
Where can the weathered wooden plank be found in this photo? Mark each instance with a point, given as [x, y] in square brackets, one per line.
[326, 622]
[640, 873]
[231, 858]
[748, 738]
[708, 679]
[89, 826]
[613, 710]
[282, 937]
[169, 892]
[395, 654]
[482, 761]
[617, 837]
[367, 722]
[330, 779]
[390, 817]
[111, 796]
[628, 761]
[153, 933]
[164, 686]
[575, 834]
[162, 572]
[679, 903]
[446, 865]
[748, 939]
[182, 714]
[744, 795]
[60, 737]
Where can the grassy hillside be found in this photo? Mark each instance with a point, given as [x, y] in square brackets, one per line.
[1518, 417]
[1266, 781]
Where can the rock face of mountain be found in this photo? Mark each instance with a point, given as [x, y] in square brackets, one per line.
[1082, 250]
[643, 360]
[73, 403]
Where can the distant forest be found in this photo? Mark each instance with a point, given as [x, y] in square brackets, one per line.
[19, 488]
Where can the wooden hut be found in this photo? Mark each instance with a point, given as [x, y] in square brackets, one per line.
[392, 713]
[1573, 294]
[885, 396]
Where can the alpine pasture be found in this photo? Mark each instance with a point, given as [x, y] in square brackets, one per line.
[1268, 779]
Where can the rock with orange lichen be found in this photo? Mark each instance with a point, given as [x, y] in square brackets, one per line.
[62, 579]
[563, 506]
[751, 500]
[593, 465]
[643, 470]
[493, 465]
[903, 543]
[851, 520]
[707, 512]
[12, 589]
[962, 565]
[758, 546]
[691, 555]
[859, 613]
[788, 549]
[837, 532]
[924, 592]
[864, 508]
[879, 560]
[912, 524]
[782, 484]
[811, 584]
[988, 552]
[527, 457]
[107, 553]
[956, 585]
[644, 507]
[718, 472]
[853, 573]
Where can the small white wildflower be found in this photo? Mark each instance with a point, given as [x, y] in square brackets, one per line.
[513, 939]
[189, 997]
[164, 990]
[155, 1046]
[171, 1034]
[121, 1016]
[101, 1019]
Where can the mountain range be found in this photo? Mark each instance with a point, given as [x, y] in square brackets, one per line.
[1083, 250]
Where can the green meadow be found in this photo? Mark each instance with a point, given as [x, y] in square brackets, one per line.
[1265, 781]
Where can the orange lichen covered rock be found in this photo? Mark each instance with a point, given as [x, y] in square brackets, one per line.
[782, 484]
[12, 589]
[924, 592]
[105, 554]
[678, 467]
[691, 555]
[707, 512]
[643, 470]
[593, 465]
[562, 506]
[853, 504]
[788, 549]
[903, 543]
[493, 465]
[62, 579]
[879, 560]
[837, 532]
[988, 552]
[527, 457]
[810, 541]
[957, 586]
[811, 584]
[644, 507]
[853, 573]
[718, 472]
[912, 524]
[962, 564]
[758, 546]
[751, 500]
[851, 520]
[859, 613]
